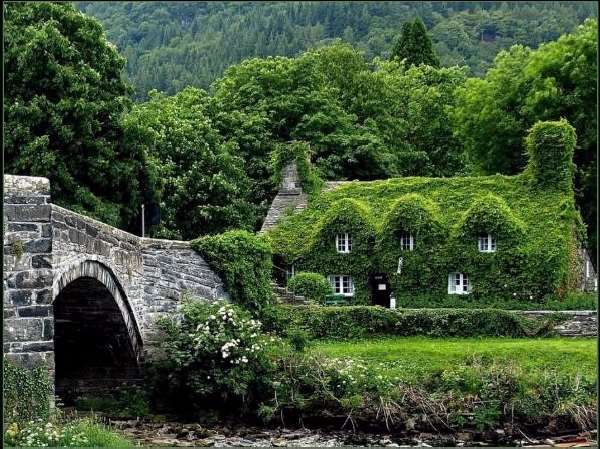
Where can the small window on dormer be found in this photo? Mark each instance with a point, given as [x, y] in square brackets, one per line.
[407, 242]
[343, 243]
[487, 243]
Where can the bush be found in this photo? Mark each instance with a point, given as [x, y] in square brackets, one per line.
[244, 262]
[27, 393]
[216, 355]
[353, 322]
[79, 433]
[130, 402]
[313, 286]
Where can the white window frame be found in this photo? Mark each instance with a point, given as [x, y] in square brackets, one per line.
[342, 284]
[407, 241]
[458, 284]
[343, 243]
[487, 243]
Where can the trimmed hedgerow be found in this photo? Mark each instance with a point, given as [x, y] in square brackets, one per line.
[313, 286]
[244, 263]
[354, 322]
[537, 230]
[27, 393]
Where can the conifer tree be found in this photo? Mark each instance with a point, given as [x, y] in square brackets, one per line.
[414, 45]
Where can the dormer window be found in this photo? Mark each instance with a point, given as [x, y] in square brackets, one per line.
[343, 243]
[458, 284]
[487, 243]
[407, 242]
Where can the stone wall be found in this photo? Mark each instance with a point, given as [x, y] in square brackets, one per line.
[28, 273]
[579, 323]
[172, 270]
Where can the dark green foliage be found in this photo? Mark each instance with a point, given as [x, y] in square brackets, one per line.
[171, 45]
[199, 178]
[356, 322]
[313, 286]
[129, 402]
[243, 261]
[551, 146]
[573, 301]
[27, 393]
[556, 81]
[63, 100]
[414, 45]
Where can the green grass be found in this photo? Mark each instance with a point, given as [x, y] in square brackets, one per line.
[98, 435]
[411, 358]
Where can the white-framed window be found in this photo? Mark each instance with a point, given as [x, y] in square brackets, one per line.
[458, 284]
[407, 242]
[342, 284]
[343, 243]
[487, 243]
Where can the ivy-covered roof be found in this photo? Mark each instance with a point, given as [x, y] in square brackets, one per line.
[547, 214]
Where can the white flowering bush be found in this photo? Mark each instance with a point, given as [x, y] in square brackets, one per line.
[217, 351]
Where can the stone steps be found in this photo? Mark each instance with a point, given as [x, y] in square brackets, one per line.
[282, 295]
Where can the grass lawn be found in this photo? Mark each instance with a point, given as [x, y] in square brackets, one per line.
[411, 358]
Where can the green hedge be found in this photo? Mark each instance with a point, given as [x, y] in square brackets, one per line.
[244, 263]
[351, 322]
[27, 393]
[313, 286]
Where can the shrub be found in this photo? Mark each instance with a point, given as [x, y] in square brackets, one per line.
[86, 432]
[216, 354]
[129, 402]
[353, 322]
[244, 262]
[313, 286]
[27, 393]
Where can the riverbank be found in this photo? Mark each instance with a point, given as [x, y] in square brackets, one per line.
[234, 434]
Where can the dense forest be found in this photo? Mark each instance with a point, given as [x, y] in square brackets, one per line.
[207, 156]
[170, 45]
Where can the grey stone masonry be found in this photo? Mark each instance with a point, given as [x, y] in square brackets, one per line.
[48, 247]
[579, 323]
[290, 197]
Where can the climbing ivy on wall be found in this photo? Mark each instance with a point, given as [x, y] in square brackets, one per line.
[243, 261]
[536, 229]
[298, 151]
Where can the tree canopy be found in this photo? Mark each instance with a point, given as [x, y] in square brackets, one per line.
[63, 101]
[556, 81]
[414, 45]
[169, 45]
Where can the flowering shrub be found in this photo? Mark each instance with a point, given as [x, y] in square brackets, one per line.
[79, 433]
[217, 351]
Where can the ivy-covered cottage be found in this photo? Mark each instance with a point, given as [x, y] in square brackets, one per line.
[517, 237]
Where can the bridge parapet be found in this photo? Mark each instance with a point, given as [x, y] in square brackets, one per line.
[46, 245]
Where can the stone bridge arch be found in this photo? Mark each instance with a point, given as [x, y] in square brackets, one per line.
[97, 340]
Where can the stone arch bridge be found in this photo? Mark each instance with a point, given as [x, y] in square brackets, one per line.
[82, 297]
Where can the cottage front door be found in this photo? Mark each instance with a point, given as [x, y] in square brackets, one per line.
[380, 290]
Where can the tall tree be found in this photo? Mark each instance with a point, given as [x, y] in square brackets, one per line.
[557, 80]
[414, 45]
[63, 101]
